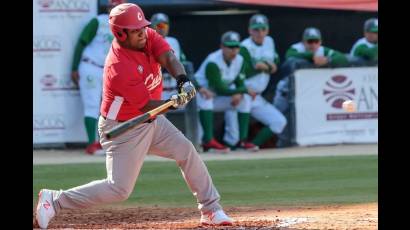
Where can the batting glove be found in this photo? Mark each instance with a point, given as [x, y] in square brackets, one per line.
[179, 100]
[186, 86]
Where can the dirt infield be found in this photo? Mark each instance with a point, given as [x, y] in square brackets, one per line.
[359, 216]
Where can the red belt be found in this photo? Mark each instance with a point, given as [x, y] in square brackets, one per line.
[91, 62]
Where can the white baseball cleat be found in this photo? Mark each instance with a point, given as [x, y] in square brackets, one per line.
[45, 210]
[217, 218]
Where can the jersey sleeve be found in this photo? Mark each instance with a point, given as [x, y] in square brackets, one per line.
[292, 52]
[158, 45]
[127, 83]
[336, 57]
[215, 81]
[87, 35]
[240, 80]
[369, 53]
[249, 69]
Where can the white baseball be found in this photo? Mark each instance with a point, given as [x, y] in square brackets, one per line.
[349, 106]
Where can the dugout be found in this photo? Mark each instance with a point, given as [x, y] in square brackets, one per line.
[198, 25]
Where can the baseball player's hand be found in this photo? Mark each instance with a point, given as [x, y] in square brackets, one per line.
[320, 60]
[236, 99]
[75, 78]
[206, 93]
[189, 89]
[252, 94]
[179, 100]
[186, 86]
[262, 66]
[273, 67]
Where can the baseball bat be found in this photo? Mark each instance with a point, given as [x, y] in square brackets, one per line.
[123, 127]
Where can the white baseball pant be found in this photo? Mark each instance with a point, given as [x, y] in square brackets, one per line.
[223, 103]
[262, 111]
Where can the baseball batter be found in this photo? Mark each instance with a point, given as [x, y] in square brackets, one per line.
[132, 86]
[260, 55]
[87, 71]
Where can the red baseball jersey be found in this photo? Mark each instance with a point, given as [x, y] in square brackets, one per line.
[132, 78]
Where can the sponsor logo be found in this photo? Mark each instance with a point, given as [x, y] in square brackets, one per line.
[52, 6]
[337, 90]
[46, 45]
[48, 81]
[52, 83]
[340, 88]
[48, 122]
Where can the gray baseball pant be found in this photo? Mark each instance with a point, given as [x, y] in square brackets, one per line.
[124, 159]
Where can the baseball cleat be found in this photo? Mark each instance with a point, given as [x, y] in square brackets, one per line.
[45, 210]
[248, 146]
[214, 146]
[217, 218]
[95, 149]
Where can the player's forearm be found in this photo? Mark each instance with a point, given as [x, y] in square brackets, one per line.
[78, 51]
[294, 53]
[338, 59]
[366, 52]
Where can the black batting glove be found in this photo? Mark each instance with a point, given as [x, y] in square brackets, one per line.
[186, 86]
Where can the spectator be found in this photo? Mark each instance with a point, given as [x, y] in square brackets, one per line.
[261, 61]
[223, 73]
[366, 48]
[87, 71]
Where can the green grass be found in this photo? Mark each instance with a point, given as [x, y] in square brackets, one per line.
[287, 182]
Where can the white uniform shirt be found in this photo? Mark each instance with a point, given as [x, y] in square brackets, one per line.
[173, 42]
[228, 73]
[361, 42]
[319, 52]
[98, 49]
[264, 52]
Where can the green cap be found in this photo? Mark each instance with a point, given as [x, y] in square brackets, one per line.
[312, 33]
[258, 21]
[231, 38]
[371, 25]
[159, 18]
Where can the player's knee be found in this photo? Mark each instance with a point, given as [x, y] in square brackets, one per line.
[121, 193]
[186, 152]
[279, 124]
[245, 104]
[282, 122]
